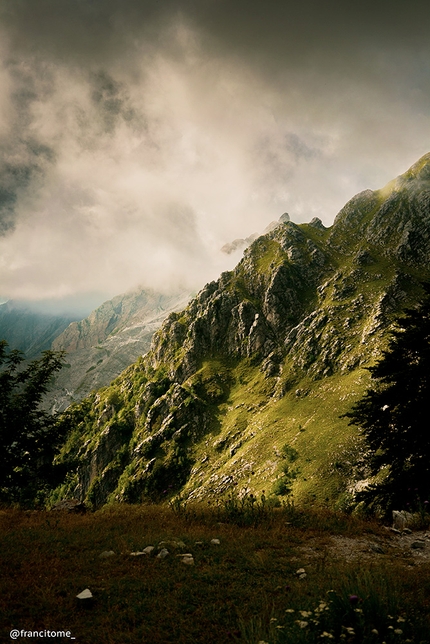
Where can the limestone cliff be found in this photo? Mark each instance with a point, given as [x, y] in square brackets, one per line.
[261, 362]
[107, 341]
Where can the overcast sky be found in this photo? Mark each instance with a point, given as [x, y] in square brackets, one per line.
[138, 137]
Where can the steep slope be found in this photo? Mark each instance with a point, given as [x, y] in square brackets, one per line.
[245, 388]
[30, 331]
[107, 341]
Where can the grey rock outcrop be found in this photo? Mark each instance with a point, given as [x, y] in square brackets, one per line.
[101, 346]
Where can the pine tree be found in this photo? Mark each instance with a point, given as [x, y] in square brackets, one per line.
[394, 415]
[29, 436]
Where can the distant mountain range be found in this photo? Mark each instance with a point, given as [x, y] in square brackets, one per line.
[245, 388]
[98, 348]
[30, 331]
[107, 341]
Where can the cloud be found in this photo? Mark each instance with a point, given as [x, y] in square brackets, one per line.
[137, 139]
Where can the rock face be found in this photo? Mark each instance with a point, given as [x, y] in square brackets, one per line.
[267, 357]
[107, 341]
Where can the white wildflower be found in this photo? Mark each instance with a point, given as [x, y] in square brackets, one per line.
[301, 623]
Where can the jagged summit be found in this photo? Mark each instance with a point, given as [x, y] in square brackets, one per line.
[268, 356]
[394, 220]
[240, 244]
[420, 170]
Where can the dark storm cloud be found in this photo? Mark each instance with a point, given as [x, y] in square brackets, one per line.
[136, 138]
[23, 159]
[274, 34]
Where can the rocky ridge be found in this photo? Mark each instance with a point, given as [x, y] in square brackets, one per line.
[102, 345]
[244, 389]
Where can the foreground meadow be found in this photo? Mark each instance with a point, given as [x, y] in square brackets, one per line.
[253, 575]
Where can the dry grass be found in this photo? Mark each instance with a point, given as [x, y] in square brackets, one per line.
[230, 594]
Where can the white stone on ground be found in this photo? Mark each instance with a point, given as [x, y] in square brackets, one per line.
[85, 594]
[187, 559]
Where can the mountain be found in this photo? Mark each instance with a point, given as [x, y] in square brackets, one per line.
[30, 331]
[246, 387]
[102, 345]
[240, 244]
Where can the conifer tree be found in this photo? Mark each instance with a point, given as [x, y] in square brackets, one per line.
[394, 415]
[29, 435]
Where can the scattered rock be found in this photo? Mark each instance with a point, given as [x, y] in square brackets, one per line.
[395, 531]
[148, 550]
[106, 554]
[301, 573]
[376, 548]
[173, 544]
[187, 559]
[85, 594]
[163, 553]
[215, 542]
[69, 505]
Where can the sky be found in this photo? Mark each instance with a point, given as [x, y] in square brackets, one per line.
[139, 137]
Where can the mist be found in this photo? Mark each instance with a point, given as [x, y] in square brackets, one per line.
[137, 141]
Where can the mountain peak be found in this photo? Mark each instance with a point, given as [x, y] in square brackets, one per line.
[419, 170]
[267, 358]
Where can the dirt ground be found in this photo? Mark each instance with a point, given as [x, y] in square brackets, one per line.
[411, 548]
